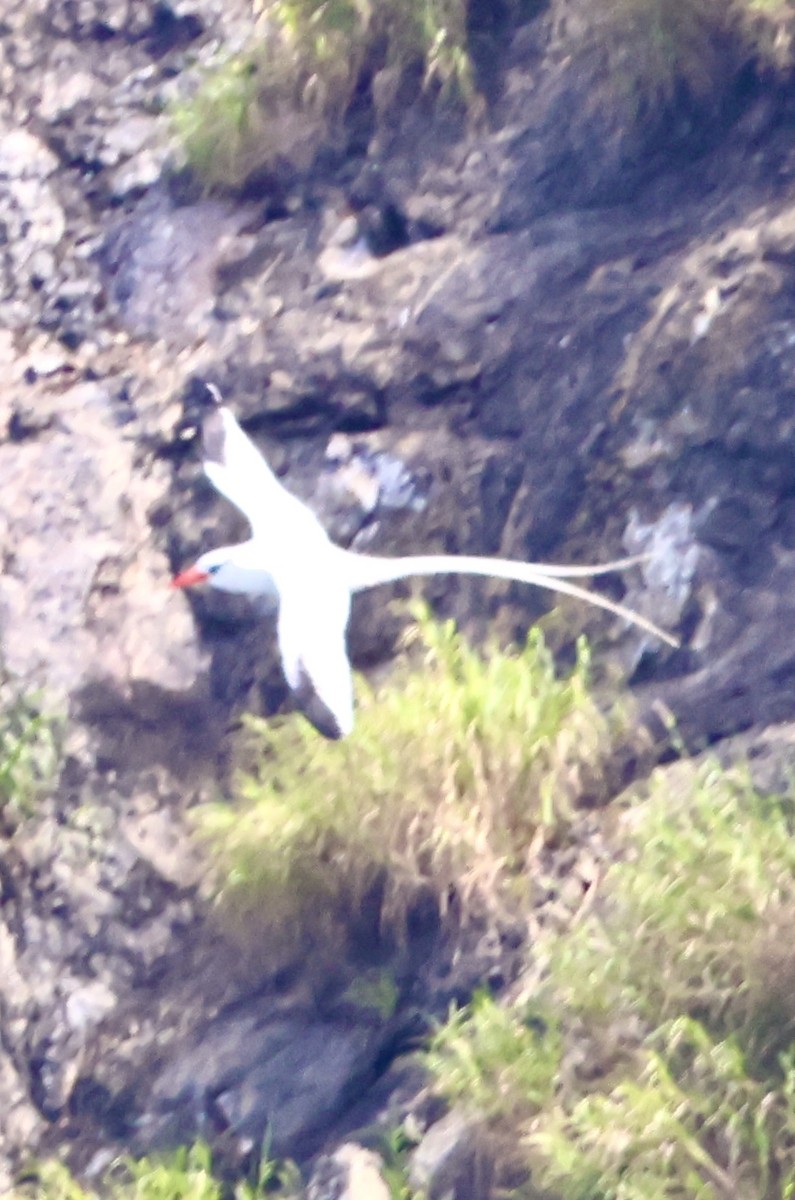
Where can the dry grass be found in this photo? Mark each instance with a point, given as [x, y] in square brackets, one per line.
[429, 33]
[256, 112]
[455, 776]
[288, 91]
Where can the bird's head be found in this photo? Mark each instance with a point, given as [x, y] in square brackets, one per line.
[211, 568]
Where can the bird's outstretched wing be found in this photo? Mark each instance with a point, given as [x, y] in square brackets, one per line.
[311, 631]
[235, 467]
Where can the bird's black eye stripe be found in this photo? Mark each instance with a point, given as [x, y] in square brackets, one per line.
[213, 569]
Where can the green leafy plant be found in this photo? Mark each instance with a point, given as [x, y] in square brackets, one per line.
[455, 776]
[221, 124]
[186, 1173]
[395, 1146]
[670, 1069]
[29, 747]
[50, 1180]
[376, 990]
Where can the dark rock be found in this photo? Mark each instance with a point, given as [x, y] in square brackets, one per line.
[288, 1075]
[592, 141]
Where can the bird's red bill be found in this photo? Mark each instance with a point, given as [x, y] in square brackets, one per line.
[189, 577]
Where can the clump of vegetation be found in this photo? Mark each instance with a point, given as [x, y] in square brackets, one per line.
[221, 126]
[692, 1120]
[668, 64]
[187, 1173]
[29, 749]
[710, 873]
[287, 91]
[432, 33]
[662, 1037]
[453, 780]
[279, 98]
[496, 1062]
[394, 1146]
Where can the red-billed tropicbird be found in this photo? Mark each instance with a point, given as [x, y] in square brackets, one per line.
[290, 559]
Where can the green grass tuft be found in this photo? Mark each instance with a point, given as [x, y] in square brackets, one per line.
[432, 33]
[278, 99]
[288, 90]
[29, 748]
[495, 1061]
[186, 1173]
[455, 775]
[686, 925]
[659, 47]
[220, 126]
[691, 1121]
[670, 1069]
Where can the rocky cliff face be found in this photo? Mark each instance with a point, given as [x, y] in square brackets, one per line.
[569, 336]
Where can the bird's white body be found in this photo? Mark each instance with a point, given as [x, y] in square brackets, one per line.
[291, 559]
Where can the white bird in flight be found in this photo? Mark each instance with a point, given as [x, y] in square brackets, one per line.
[291, 560]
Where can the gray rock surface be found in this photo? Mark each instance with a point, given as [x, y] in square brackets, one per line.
[350, 1173]
[82, 595]
[452, 1161]
[257, 1075]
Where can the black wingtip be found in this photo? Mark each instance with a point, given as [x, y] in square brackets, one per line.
[315, 711]
[323, 721]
